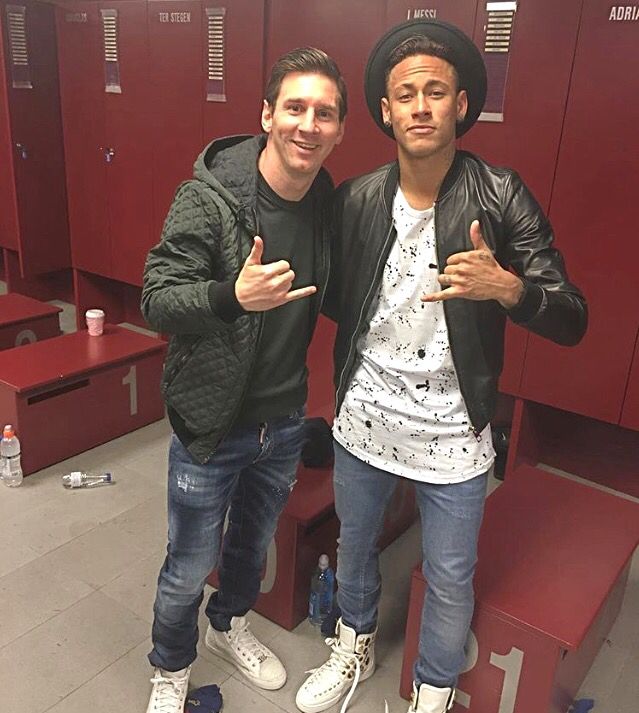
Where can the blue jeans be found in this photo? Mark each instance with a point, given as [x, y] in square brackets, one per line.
[250, 476]
[451, 515]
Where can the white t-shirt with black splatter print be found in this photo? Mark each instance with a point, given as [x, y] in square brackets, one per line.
[403, 411]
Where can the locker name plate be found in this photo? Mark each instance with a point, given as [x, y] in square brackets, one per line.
[624, 13]
[76, 17]
[498, 32]
[422, 13]
[180, 17]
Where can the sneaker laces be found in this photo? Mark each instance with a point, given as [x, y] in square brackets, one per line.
[339, 659]
[242, 637]
[167, 694]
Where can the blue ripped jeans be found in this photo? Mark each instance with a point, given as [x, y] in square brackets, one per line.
[250, 476]
[450, 515]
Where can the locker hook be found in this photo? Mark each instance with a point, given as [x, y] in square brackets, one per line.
[109, 155]
[23, 150]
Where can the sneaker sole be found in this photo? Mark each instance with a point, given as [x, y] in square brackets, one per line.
[317, 707]
[266, 685]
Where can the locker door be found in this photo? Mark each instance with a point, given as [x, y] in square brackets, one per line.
[82, 95]
[538, 62]
[347, 32]
[593, 211]
[128, 153]
[176, 80]
[8, 208]
[542, 37]
[37, 140]
[233, 61]
[630, 414]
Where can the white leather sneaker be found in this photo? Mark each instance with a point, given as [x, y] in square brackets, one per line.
[352, 660]
[169, 691]
[428, 699]
[240, 647]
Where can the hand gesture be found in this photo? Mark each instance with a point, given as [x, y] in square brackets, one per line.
[476, 275]
[260, 287]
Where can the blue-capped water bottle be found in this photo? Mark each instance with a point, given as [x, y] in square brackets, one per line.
[320, 600]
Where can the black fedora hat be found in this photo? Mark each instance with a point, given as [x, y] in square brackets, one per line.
[464, 56]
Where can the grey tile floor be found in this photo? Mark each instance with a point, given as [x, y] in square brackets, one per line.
[77, 582]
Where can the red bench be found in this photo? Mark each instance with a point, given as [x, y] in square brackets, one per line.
[70, 393]
[309, 526]
[554, 557]
[24, 320]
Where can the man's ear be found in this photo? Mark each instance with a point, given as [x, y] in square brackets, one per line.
[267, 117]
[386, 116]
[462, 105]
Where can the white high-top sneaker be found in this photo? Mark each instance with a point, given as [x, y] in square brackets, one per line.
[169, 691]
[352, 660]
[428, 699]
[240, 647]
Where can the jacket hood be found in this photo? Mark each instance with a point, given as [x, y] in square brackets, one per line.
[229, 165]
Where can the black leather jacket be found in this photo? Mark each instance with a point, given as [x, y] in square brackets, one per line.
[517, 232]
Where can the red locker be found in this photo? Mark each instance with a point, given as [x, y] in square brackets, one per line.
[107, 96]
[8, 208]
[630, 413]
[233, 60]
[128, 150]
[592, 210]
[35, 220]
[82, 91]
[347, 32]
[176, 80]
[542, 46]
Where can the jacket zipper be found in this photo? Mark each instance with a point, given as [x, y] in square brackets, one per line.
[240, 215]
[475, 432]
[365, 306]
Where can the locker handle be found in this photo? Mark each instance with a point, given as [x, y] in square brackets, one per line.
[109, 155]
[23, 151]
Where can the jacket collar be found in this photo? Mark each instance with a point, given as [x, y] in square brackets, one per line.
[391, 181]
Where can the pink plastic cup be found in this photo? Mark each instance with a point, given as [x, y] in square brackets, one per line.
[95, 321]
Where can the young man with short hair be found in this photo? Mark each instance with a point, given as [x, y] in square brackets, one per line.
[237, 281]
[437, 249]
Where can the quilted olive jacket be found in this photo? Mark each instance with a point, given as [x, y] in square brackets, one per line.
[188, 290]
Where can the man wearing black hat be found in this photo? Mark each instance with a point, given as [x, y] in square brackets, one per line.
[435, 249]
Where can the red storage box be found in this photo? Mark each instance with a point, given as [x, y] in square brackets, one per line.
[70, 393]
[24, 320]
[554, 557]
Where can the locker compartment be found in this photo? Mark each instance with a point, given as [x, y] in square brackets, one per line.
[542, 37]
[82, 93]
[36, 216]
[533, 74]
[128, 151]
[592, 210]
[8, 209]
[120, 301]
[347, 32]
[107, 106]
[232, 48]
[176, 81]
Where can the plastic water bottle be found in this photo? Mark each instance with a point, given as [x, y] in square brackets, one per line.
[320, 600]
[80, 479]
[10, 456]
